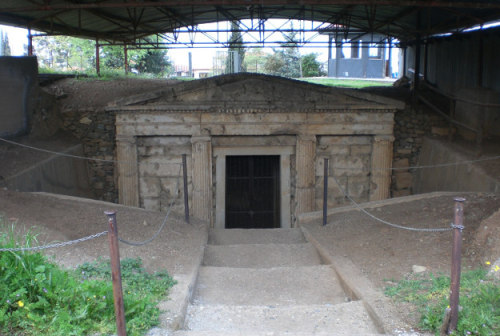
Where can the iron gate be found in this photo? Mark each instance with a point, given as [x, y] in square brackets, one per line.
[252, 192]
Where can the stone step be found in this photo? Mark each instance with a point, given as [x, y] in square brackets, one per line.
[348, 318]
[268, 286]
[255, 236]
[261, 256]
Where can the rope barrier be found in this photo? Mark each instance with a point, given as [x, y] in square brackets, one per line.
[147, 241]
[384, 221]
[44, 247]
[491, 158]
[69, 155]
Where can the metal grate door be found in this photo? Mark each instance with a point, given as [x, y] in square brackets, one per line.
[252, 192]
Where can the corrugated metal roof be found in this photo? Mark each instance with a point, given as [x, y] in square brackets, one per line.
[127, 20]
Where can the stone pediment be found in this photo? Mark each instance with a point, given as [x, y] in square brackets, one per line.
[257, 92]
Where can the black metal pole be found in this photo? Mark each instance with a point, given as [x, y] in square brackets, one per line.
[186, 198]
[325, 193]
[458, 220]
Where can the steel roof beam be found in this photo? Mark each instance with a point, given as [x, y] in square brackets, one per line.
[184, 3]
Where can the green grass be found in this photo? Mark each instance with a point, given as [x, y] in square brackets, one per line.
[349, 83]
[39, 298]
[479, 298]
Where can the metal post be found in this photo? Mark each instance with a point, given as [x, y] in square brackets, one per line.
[116, 274]
[186, 198]
[325, 193]
[97, 63]
[125, 56]
[30, 43]
[455, 262]
[190, 59]
[452, 117]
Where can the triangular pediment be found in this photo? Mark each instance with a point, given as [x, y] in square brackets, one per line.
[256, 91]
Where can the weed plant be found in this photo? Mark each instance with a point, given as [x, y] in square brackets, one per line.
[479, 299]
[346, 82]
[39, 298]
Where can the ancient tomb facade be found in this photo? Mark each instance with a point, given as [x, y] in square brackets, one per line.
[255, 148]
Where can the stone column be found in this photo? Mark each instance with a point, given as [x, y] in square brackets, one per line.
[306, 173]
[202, 177]
[381, 167]
[128, 179]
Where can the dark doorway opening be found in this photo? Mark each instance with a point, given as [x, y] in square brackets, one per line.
[253, 192]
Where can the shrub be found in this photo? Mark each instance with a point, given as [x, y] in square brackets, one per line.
[37, 297]
[479, 299]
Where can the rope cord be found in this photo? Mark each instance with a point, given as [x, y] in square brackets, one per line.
[384, 221]
[180, 164]
[44, 247]
[69, 155]
[147, 241]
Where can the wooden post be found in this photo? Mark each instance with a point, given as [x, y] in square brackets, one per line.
[116, 274]
[455, 262]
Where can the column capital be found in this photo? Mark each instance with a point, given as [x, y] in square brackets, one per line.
[306, 137]
[380, 138]
[129, 139]
[200, 138]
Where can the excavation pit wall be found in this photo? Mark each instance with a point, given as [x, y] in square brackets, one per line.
[442, 175]
[58, 174]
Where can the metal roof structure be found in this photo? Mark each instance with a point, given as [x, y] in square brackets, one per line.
[127, 21]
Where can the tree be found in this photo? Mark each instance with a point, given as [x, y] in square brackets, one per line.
[286, 60]
[154, 62]
[5, 44]
[311, 67]
[255, 60]
[64, 53]
[235, 48]
[275, 63]
[291, 55]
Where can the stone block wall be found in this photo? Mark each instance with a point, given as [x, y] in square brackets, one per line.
[160, 172]
[95, 128]
[410, 127]
[349, 162]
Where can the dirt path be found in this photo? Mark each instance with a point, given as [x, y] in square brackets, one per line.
[378, 251]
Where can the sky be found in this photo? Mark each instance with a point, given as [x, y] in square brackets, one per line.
[18, 38]
[202, 58]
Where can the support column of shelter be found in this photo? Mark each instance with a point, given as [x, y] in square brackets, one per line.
[381, 164]
[306, 174]
[97, 58]
[125, 56]
[128, 179]
[30, 43]
[202, 177]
